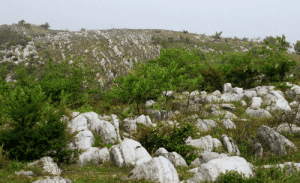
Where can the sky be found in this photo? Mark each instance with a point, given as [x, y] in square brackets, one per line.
[240, 18]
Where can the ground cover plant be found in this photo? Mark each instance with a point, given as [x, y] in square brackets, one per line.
[176, 69]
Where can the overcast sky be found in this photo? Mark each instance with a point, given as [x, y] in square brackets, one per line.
[240, 18]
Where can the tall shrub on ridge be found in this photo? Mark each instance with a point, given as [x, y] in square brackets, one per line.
[240, 69]
[275, 63]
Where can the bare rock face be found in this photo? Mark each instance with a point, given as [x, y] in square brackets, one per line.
[269, 137]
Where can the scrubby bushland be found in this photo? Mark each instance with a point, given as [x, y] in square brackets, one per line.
[273, 63]
[9, 37]
[169, 72]
[145, 82]
[272, 41]
[6, 68]
[182, 70]
[276, 64]
[57, 77]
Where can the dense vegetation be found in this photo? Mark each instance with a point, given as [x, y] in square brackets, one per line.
[59, 91]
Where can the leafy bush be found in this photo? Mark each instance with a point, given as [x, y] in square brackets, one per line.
[282, 86]
[217, 36]
[182, 70]
[272, 41]
[235, 177]
[172, 142]
[46, 26]
[171, 40]
[274, 64]
[245, 39]
[28, 141]
[9, 55]
[53, 80]
[212, 78]
[187, 39]
[172, 71]
[6, 68]
[9, 37]
[4, 90]
[21, 22]
[297, 48]
[24, 24]
[2, 55]
[233, 69]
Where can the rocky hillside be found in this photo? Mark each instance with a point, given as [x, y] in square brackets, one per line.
[111, 52]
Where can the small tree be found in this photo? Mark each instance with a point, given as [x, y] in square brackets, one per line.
[46, 26]
[297, 48]
[217, 36]
[24, 24]
[27, 141]
[21, 22]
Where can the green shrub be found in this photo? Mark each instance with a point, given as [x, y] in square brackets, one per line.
[53, 80]
[297, 48]
[24, 24]
[245, 39]
[282, 86]
[272, 41]
[9, 55]
[28, 141]
[235, 177]
[217, 36]
[4, 90]
[171, 140]
[172, 71]
[2, 55]
[213, 79]
[276, 64]
[6, 68]
[9, 37]
[171, 40]
[187, 39]
[46, 26]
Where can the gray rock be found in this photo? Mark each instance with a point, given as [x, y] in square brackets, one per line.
[230, 145]
[159, 169]
[272, 139]
[212, 169]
